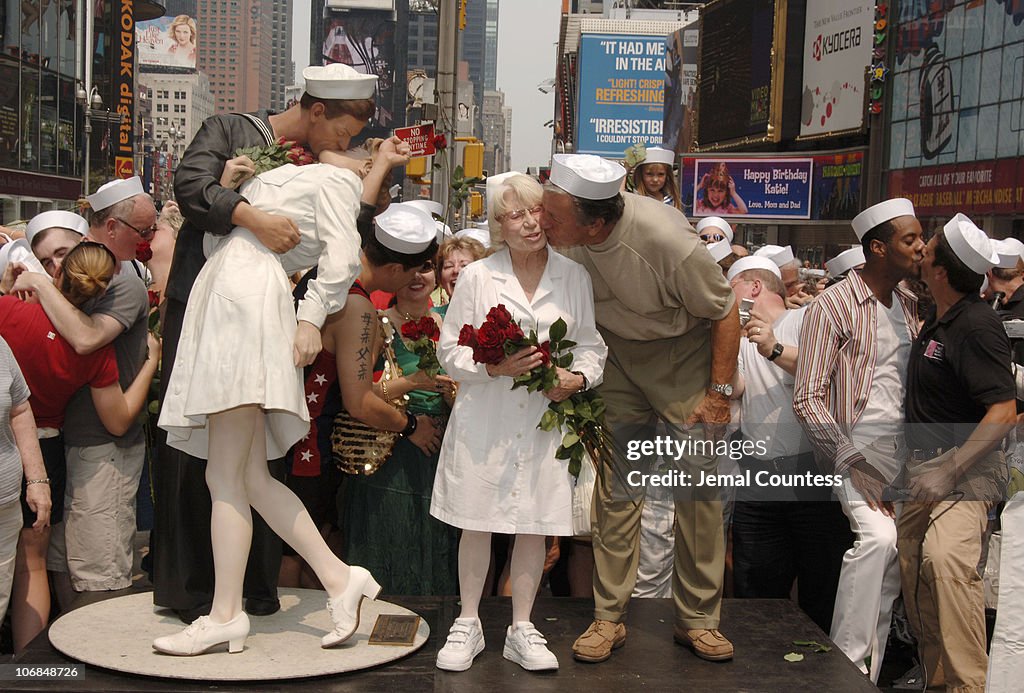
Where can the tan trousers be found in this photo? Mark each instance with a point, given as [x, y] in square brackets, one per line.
[939, 547]
[644, 382]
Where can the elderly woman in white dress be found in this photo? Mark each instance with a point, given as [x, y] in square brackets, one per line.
[497, 470]
[236, 396]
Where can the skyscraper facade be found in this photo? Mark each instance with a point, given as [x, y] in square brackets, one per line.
[282, 67]
[236, 52]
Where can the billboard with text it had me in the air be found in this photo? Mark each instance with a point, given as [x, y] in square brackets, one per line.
[621, 92]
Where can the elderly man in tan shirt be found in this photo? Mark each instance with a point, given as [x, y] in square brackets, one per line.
[672, 328]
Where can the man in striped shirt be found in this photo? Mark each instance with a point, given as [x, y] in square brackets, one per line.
[848, 395]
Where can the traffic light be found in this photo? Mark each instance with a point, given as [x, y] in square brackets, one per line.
[417, 167]
[473, 160]
[476, 204]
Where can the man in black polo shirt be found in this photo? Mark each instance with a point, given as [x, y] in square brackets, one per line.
[959, 406]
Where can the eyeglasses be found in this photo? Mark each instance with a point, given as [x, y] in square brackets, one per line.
[712, 237]
[145, 234]
[520, 214]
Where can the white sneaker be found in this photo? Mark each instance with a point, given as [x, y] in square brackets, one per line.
[465, 641]
[525, 646]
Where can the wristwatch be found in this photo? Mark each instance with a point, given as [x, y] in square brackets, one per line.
[723, 389]
[776, 351]
[586, 384]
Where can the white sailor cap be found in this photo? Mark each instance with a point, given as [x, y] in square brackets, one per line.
[475, 233]
[658, 155]
[752, 262]
[881, 212]
[780, 255]
[404, 229]
[19, 251]
[845, 261]
[115, 191]
[443, 231]
[716, 223]
[970, 244]
[55, 218]
[431, 207]
[587, 176]
[338, 81]
[1010, 252]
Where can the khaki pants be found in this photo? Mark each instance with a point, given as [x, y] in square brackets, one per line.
[645, 382]
[940, 546]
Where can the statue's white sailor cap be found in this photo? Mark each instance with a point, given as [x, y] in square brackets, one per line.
[587, 176]
[752, 262]
[720, 250]
[845, 261]
[1010, 251]
[881, 212]
[970, 244]
[658, 155]
[338, 81]
[717, 223]
[475, 233]
[19, 251]
[780, 255]
[404, 229]
[431, 207]
[115, 191]
[55, 218]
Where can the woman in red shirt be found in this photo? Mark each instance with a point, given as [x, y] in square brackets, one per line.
[54, 372]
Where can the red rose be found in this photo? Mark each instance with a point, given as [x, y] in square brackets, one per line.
[545, 353]
[512, 332]
[491, 355]
[467, 336]
[489, 336]
[499, 315]
[154, 298]
[428, 328]
[411, 330]
[440, 141]
[143, 253]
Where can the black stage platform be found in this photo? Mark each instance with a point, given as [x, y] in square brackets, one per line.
[762, 631]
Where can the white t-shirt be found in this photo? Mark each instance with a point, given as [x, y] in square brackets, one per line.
[879, 433]
[767, 401]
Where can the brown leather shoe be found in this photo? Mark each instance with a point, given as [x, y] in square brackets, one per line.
[597, 643]
[705, 643]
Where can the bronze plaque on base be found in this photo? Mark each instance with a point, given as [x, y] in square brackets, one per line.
[395, 629]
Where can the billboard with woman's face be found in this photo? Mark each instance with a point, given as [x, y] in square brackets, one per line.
[167, 42]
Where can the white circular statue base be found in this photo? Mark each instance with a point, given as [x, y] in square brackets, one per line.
[118, 633]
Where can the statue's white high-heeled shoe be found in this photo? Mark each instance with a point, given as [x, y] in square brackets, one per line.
[344, 609]
[203, 634]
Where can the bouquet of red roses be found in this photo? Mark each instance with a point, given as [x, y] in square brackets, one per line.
[423, 334]
[580, 417]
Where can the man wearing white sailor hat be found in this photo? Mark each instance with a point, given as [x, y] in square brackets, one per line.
[807, 529]
[337, 104]
[714, 229]
[1007, 277]
[790, 267]
[661, 303]
[858, 333]
[960, 404]
[99, 525]
[50, 235]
